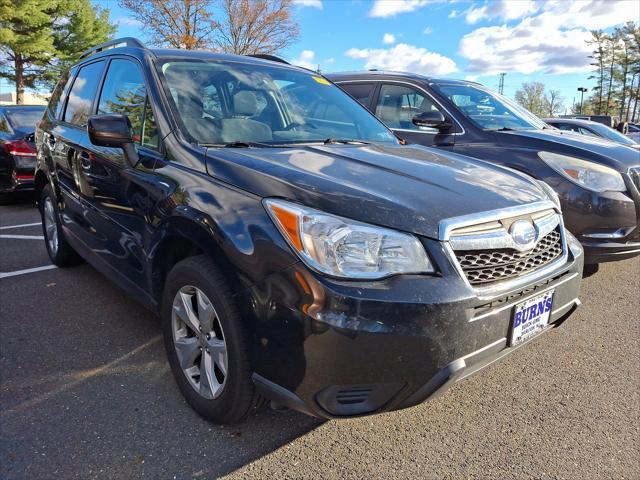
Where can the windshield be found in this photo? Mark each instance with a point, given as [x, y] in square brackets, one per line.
[612, 134]
[489, 110]
[237, 103]
[24, 118]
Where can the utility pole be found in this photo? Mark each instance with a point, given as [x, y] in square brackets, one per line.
[501, 84]
[582, 90]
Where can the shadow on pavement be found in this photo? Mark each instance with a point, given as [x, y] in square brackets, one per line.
[86, 391]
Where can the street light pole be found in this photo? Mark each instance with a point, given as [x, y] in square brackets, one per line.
[581, 90]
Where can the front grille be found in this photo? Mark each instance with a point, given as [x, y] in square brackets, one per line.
[634, 173]
[488, 266]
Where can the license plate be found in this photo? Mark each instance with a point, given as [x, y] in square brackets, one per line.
[531, 317]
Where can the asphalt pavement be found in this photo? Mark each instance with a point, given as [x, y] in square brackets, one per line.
[85, 392]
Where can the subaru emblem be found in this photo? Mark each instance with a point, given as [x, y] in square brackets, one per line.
[524, 234]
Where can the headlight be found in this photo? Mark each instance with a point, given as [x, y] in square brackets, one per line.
[589, 175]
[345, 248]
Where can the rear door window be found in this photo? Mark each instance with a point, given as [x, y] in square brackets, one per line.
[83, 92]
[360, 91]
[56, 103]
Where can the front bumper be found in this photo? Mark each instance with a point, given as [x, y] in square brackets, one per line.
[606, 224]
[337, 349]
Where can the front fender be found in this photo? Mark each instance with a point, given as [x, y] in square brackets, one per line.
[226, 223]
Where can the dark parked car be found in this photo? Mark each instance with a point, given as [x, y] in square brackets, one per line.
[592, 129]
[598, 181]
[294, 250]
[633, 132]
[17, 147]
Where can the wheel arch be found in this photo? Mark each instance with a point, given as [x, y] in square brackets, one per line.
[40, 182]
[183, 237]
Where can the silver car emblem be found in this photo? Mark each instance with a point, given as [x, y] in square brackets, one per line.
[524, 234]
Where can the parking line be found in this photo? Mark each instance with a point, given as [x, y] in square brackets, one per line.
[19, 226]
[24, 237]
[25, 271]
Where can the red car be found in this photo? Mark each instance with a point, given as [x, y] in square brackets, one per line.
[17, 147]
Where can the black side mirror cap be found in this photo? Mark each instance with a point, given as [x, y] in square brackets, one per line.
[432, 119]
[113, 131]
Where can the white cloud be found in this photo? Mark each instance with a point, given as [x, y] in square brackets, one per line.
[306, 59]
[389, 39]
[427, 31]
[471, 78]
[403, 57]
[128, 22]
[390, 8]
[309, 3]
[503, 9]
[552, 41]
[329, 61]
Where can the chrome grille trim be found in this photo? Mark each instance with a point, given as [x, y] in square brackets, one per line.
[499, 237]
[447, 226]
[493, 265]
[634, 174]
[539, 211]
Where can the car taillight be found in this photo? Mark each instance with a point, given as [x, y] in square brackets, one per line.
[20, 148]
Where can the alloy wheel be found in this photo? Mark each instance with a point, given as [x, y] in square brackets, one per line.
[50, 225]
[199, 341]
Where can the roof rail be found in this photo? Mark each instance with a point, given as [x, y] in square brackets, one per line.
[272, 58]
[117, 42]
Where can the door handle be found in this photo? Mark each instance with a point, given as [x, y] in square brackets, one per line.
[85, 160]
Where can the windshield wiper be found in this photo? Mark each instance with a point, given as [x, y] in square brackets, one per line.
[345, 141]
[239, 144]
[503, 129]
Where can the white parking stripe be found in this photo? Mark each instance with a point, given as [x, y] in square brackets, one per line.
[24, 237]
[20, 226]
[28, 270]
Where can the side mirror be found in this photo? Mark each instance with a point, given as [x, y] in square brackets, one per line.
[432, 119]
[113, 131]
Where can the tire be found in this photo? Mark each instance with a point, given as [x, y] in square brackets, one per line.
[590, 269]
[59, 250]
[216, 384]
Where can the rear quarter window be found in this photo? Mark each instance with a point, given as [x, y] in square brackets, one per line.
[56, 103]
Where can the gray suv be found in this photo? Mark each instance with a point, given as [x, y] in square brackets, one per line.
[598, 182]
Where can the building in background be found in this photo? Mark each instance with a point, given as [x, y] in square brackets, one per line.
[30, 98]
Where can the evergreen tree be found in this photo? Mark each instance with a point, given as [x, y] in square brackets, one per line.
[599, 61]
[38, 38]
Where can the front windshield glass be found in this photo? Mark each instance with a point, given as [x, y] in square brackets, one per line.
[24, 118]
[236, 103]
[612, 134]
[489, 110]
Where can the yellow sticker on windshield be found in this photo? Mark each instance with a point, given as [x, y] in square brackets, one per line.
[321, 80]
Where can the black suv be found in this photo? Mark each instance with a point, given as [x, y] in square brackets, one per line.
[598, 182]
[294, 250]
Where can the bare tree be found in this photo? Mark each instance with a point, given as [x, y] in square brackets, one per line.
[186, 24]
[256, 26]
[553, 102]
[531, 97]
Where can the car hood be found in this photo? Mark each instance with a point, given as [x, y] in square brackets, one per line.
[612, 154]
[408, 188]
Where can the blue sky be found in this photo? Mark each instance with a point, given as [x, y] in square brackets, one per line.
[530, 41]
